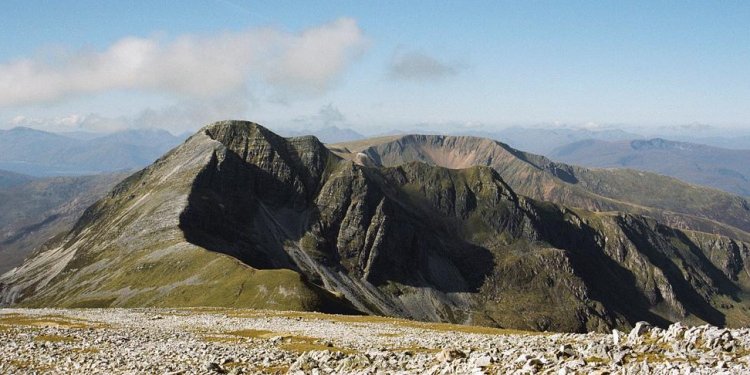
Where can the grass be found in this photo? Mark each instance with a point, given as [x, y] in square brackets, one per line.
[596, 360]
[196, 277]
[21, 364]
[93, 303]
[292, 343]
[254, 333]
[28, 366]
[362, 319]
[404, 323]
[53, 338]
[47, 321]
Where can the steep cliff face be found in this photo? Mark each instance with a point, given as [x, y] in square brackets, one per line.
[238, 216]
[128, 249]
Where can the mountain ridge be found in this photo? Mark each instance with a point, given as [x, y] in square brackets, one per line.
[541, 178]
[238, 216]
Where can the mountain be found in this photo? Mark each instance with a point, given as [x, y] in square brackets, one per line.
[40, 153]
[10, 179]
[719, 168]
[238, 216]
[33, 210]
[667, 199]
[545, 140]
[737, 142]
[735, 138]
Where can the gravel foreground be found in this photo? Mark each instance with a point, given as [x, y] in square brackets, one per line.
[227, 341]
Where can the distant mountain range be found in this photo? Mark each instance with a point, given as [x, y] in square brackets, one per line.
[436, 228]
[720, 168]
[39, 153]
[740, 142]
[33, 210]
[543, 140]
[11, 179]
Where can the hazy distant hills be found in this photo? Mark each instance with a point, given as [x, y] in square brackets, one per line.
[544, 141]
[426, 227]
[724, 169]
[10, 179]
[538, 140]
[33, 210]
[40, 153]
[740, 142]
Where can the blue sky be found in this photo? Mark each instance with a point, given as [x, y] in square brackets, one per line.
[373, 66]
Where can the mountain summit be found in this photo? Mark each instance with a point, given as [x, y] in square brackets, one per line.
[239, 216]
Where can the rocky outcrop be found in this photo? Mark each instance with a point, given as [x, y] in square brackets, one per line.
[229, 341]
[238, 216]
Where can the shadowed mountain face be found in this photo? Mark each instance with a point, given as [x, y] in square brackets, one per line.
[238, 216]
[719, 168]
[669, 200]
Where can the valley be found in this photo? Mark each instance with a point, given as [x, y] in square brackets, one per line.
[34, 210]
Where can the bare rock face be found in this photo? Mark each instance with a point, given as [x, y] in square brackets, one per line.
[640, 329]
[238, 216]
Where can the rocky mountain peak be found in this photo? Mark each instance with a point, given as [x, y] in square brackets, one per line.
[239, 216]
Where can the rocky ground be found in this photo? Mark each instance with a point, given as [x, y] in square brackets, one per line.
[211, 341]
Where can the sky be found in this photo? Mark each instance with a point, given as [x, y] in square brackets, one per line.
[373, 66]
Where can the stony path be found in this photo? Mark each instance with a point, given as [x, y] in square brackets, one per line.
[212, 341]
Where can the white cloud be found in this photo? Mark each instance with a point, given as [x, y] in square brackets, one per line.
[73, 122]
[186, 115]
[190, 115]
[327, 115]
[417, 66]
[192, 66]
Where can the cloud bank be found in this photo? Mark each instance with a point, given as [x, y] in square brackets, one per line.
[419, 67]
[306, 63]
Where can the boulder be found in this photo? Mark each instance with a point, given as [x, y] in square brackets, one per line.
[639, 330]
